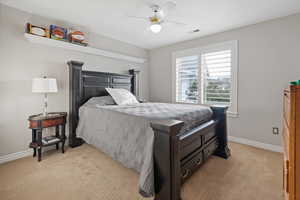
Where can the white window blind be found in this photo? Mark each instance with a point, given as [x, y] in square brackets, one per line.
[207, 75]
[216, 77]
[187, 79]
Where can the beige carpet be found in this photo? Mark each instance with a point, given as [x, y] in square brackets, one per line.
[84, 173]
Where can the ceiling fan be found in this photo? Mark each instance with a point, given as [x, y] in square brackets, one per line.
[158, 17]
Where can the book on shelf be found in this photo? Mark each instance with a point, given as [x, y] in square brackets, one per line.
[50, 139]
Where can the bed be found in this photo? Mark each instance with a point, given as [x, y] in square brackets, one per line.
[166, 143]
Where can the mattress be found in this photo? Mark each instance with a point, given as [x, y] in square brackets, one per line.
[124, 132]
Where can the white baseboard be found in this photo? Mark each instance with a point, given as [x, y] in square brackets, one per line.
[15, 156]
[22, 154]
[270, 147]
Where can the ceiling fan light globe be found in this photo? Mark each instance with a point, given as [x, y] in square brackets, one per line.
[155, 28]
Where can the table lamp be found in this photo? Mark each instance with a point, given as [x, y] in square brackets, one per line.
[44, 85]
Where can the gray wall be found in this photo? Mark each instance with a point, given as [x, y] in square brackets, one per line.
[268, 60]
[20, 61]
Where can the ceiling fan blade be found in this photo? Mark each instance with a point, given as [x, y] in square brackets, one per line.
[137, 17]
[165, 6]
[175, 22]
[169, 5]
[150, 3]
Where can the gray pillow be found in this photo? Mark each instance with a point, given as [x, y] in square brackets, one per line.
[101, 101]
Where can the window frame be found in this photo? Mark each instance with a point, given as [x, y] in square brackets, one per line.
[233, 46]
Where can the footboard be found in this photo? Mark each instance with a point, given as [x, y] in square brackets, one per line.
[177, 155]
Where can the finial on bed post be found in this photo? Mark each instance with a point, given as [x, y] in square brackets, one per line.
[75, 93]
[135, 86]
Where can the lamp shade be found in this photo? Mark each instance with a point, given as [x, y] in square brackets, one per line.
[44, 85]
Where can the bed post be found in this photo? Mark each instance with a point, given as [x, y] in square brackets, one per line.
[167, 159]
[135, 86]
[75, 93]
[219, 114]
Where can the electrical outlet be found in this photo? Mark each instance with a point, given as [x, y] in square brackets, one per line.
[275, 130]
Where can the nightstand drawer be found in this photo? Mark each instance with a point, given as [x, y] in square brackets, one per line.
[47, 123]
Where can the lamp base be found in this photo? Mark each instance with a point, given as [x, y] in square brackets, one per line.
[45, 105]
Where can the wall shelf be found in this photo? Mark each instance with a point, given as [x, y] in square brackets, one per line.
[83, 49]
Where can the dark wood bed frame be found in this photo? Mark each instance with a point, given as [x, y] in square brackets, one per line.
[176, 155]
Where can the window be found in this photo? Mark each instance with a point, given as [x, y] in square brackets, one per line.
[207, 75]
[216, 77]
[187, 79]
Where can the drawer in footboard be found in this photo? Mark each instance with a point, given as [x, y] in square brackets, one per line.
[208, 136]
[194, 160]
[190, 144]
[191, 164]
[194, 139]
[210, 148]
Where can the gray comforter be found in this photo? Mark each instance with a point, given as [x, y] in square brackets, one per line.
[124, 132]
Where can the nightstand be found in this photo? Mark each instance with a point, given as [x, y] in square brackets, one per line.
[38, 122]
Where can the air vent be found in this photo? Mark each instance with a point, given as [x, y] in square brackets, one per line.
[195, 31]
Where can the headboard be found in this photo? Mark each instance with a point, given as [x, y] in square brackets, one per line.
[86, 84]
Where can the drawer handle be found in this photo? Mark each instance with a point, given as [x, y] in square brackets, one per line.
[198, 162]
[186, 173]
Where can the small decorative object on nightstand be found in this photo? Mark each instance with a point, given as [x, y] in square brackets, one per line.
[38, 122]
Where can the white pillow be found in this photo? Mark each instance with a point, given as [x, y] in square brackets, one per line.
[122, 96]
[100, 101]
